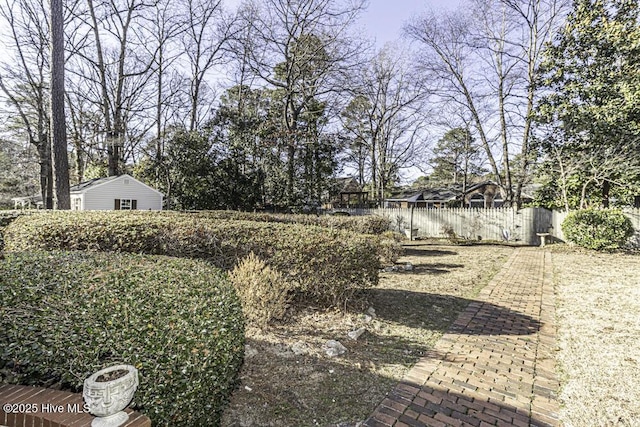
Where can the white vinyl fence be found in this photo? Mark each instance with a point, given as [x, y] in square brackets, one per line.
[502, 224]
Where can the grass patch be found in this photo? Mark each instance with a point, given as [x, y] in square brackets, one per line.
[287, 379]
[598, 301]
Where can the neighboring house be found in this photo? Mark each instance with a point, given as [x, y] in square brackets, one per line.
[406, 199]
[122, 192]
[486, 194]
[346, 193]
[441, 197]
[424, 198]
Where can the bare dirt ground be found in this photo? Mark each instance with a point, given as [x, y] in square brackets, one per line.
[288, 380]
[598, 299]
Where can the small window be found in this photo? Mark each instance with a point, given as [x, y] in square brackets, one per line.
[125, 204]
[76, 204]
[126, 181]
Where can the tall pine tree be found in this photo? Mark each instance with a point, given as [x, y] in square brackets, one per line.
[456, 158]
[58, 127]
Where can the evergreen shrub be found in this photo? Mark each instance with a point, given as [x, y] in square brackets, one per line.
[65, 315]
[601, 230]
[323, 266]
[367, 224]
[6, 217]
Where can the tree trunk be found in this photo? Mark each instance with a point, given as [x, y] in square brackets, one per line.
[79, 159]
[508, 187]
[374, 172]
[291, 153]
[58, 127]
[606, 188]
[113, 153]
[104, 91]
[46, 175]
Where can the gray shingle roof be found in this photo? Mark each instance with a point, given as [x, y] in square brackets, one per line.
[91, 183]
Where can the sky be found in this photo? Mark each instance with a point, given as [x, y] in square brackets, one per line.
[384, 19]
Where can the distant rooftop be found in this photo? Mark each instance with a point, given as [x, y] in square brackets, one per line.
[91, 183]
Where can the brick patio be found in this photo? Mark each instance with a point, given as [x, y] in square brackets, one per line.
[495, 365]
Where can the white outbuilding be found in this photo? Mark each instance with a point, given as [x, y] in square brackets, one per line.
[122, 192]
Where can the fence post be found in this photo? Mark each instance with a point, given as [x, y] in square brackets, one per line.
[529, 227]
[411, 224]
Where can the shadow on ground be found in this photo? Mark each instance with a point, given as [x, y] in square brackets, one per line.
[281, 387]
[340, 391]
[451, 405]
[415, 310]
[421, 251]
[312, 389]
[428, 268]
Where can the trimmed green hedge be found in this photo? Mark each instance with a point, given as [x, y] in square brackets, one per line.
[6, 217]
[66, 315]
[598, 229]
[368, 224]
[324, 266]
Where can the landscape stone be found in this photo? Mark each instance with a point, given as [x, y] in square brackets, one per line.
[334, 348]
[354, 335]
[250, 352]
[300, 348]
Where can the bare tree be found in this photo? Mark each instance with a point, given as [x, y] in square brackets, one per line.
[168, 27]
[118, 68]
[303, 49]
[24, 82]
[485, 59]
[449, 63]
[208, 30]
[386, 118]
[18, 170]
[540, 20]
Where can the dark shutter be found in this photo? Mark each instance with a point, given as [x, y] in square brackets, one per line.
[134, 204]
[117, 205]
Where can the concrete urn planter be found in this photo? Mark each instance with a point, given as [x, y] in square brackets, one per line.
[108, 392]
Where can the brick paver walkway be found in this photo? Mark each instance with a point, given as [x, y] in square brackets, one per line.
[495, 365]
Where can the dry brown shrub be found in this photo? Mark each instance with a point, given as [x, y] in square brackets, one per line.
[263, 292]
[390, 247]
